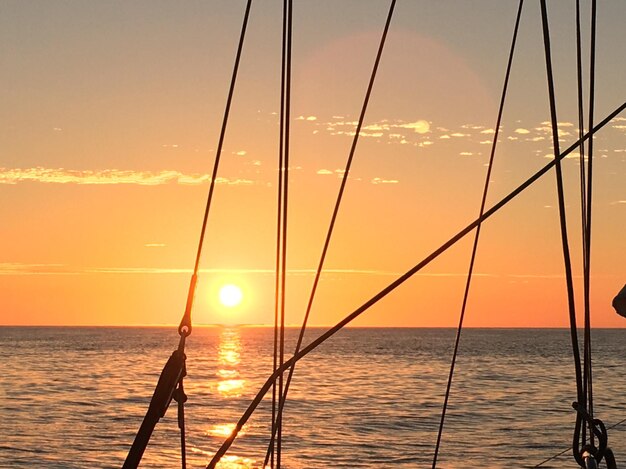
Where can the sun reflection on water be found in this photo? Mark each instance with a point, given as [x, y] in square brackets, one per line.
[229, 357]
[229, 385]
[235, 462]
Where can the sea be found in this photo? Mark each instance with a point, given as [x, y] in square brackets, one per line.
[74, 397]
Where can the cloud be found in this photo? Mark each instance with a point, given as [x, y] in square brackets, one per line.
[62, 269]
[466, 153]
[324, 171]
[420, 126]
[16, 268]
[241, 153]
[558, 124]
[384, 181]
[306, 118]
[108, 177]
[522, 131]
[373, 127]
[154, 245]
[488, 131]
[569, 156]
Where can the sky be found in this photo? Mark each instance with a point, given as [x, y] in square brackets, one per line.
[109, 119]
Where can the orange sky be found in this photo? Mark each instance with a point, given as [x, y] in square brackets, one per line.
[109, 124]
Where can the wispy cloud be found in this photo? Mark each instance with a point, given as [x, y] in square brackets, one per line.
[15, 268]
[62, 269]
[384, 181]
[154, 245]
[109, 176]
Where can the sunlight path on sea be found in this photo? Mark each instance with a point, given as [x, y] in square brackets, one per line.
[74, 397]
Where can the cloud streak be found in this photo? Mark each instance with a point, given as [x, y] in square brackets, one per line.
[63, 269]
[109, 177]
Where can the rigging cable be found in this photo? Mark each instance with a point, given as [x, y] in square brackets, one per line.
[286, 112]
[563, 224]
[185, 324]
[477, 234]
[396, 283]
[279, 220]
[169, 385]
[332, 223]
[583, 191]
[587, 375]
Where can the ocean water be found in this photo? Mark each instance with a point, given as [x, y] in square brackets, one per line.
[74, 397]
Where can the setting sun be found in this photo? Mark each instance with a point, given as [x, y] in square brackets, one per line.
[230, 295]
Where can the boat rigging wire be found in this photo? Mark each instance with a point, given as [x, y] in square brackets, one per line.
[279, 221]
[477, 233]
[170, 383]
[399, 281]
[587, 369]
[582, 454]
[333, 220]
[564, 237]
[583, 191]
[185, 324]
[284, 177]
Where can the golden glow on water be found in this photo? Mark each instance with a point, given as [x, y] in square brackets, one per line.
[229, 357]
[227, 374]
[235, 462]
[223, 430]
[231, 387]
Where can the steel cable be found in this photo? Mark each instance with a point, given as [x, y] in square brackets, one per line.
[477, 234]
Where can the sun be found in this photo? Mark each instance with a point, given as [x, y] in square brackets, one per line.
[230, 295]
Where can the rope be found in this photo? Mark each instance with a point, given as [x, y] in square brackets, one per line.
[477, 235]
[396, 283]
[181, 398]
[569, 447]
[333, 220]
[563, 224]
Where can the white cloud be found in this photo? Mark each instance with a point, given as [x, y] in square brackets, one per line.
[324, 171]
[108, 176]
[420, 126]
[522, 131]
[384, 181]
